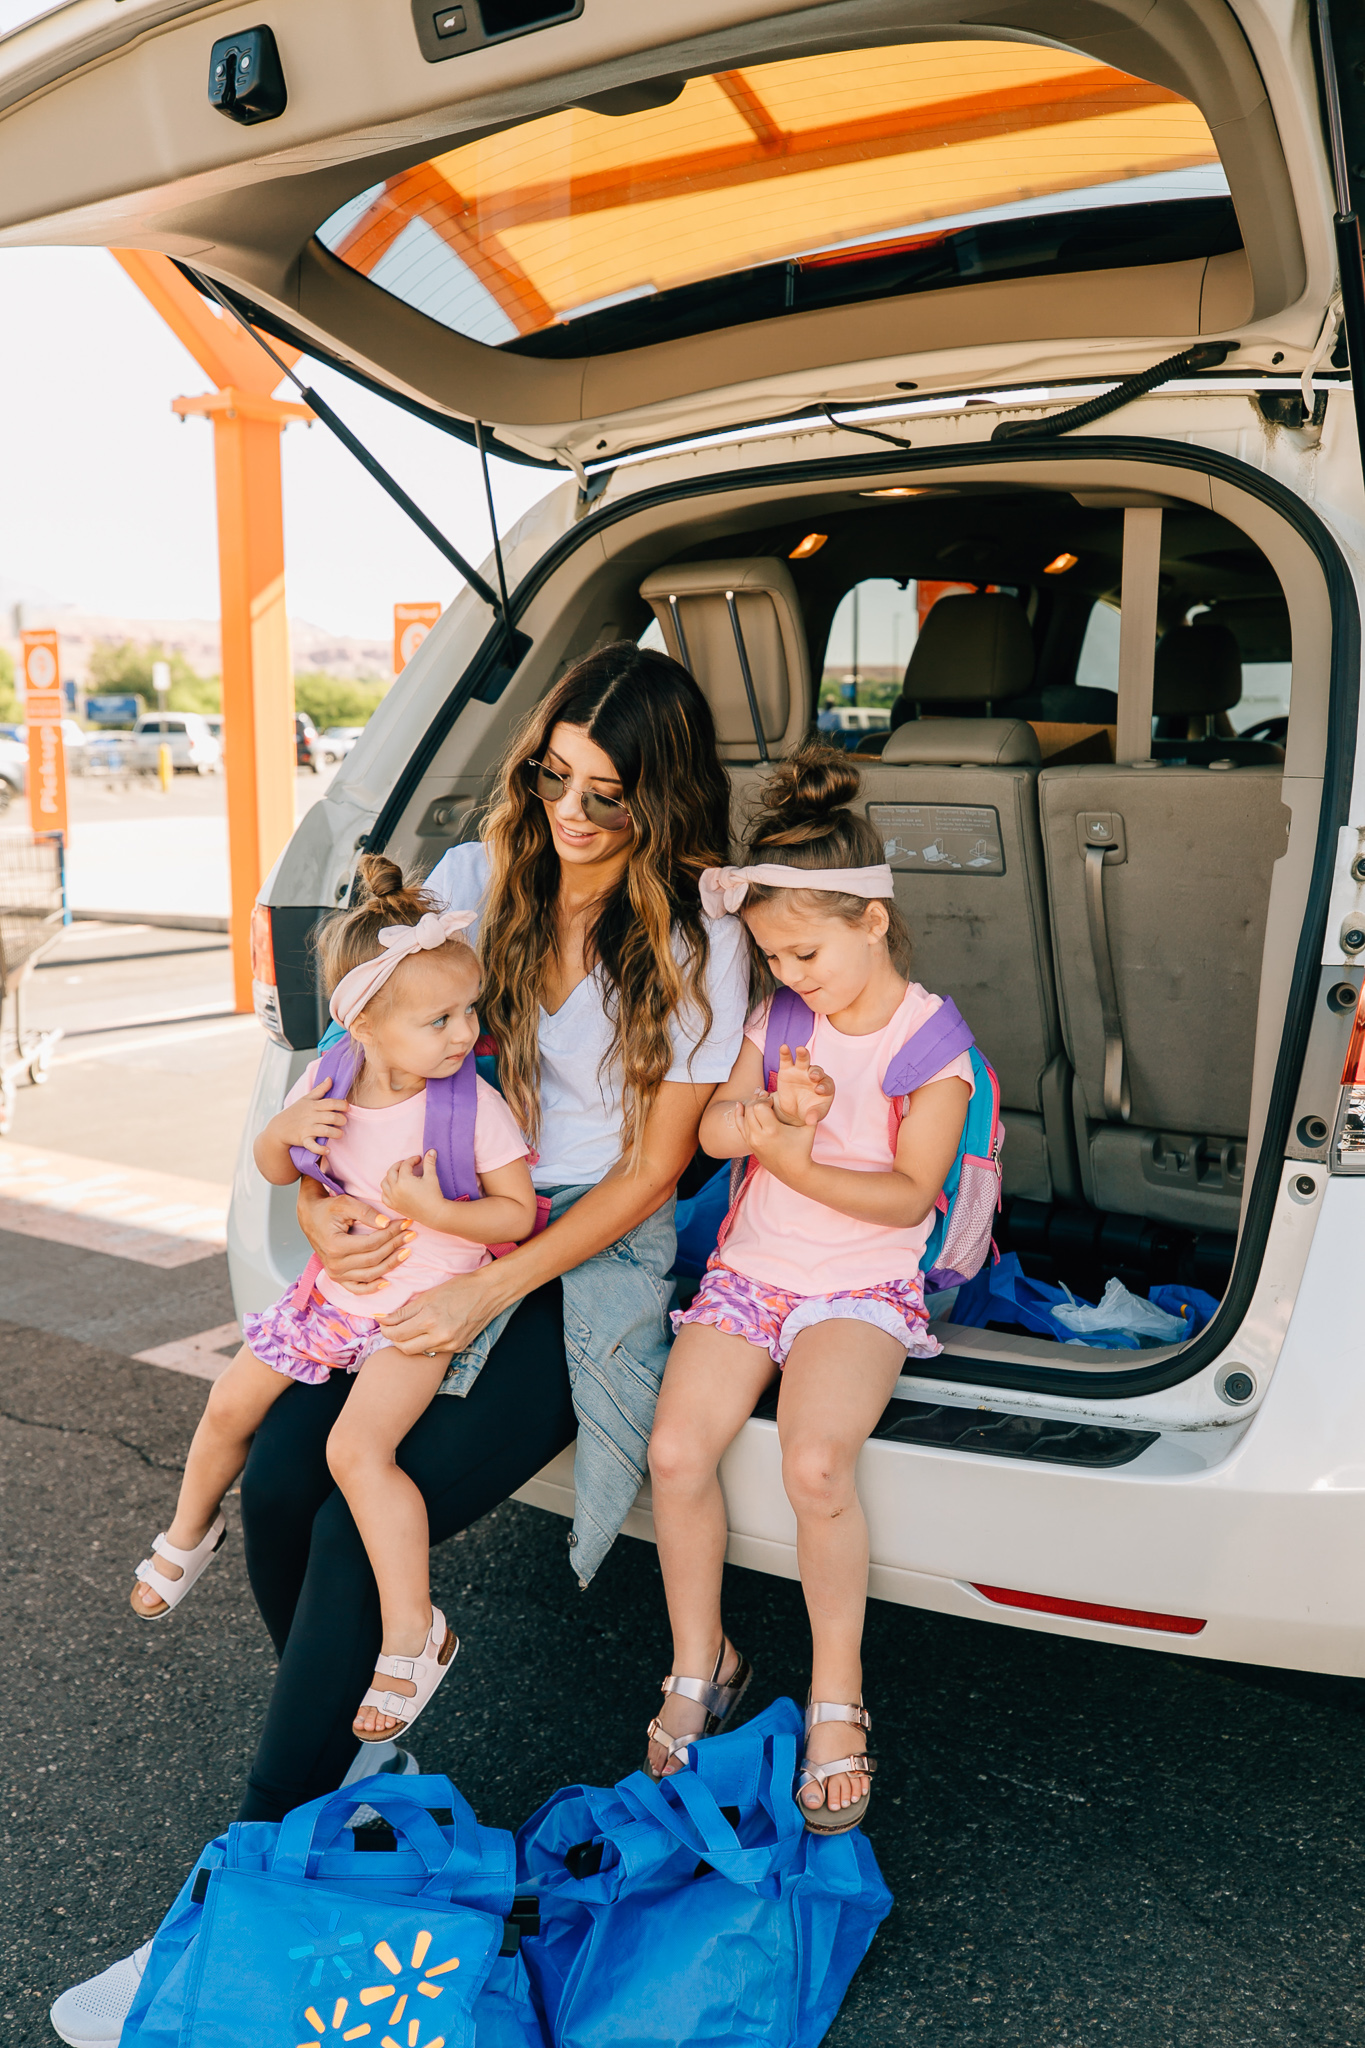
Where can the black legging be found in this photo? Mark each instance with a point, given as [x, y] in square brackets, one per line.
[307, 1564]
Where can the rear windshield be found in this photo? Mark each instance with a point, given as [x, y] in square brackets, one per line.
[788, 186]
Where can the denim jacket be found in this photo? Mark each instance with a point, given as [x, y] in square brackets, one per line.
[616, 1339]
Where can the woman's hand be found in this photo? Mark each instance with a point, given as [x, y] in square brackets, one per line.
[358, 1261]
[448, 1317]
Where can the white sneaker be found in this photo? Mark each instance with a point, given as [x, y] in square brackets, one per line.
[373, 1759]
[90, 2015]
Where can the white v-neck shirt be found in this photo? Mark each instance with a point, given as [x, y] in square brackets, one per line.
[580, 1103]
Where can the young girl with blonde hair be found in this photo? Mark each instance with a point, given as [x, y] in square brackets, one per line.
[816, 1275]
[404, 984]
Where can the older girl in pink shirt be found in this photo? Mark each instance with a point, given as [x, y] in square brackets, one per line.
[817, 1275]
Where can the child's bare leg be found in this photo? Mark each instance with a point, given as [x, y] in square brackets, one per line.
[238, 1402]
[711, 1384]
[390, 1393]
[838, 1379]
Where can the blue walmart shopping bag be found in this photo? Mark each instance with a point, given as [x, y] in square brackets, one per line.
[699, 1909]
[309, 1931]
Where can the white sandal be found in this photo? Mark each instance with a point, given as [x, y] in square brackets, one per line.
[425, 1672]
[193, 1564]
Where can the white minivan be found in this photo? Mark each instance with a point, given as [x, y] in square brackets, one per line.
[1054, 303]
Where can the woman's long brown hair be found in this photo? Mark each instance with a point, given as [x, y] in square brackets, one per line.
[652, 722]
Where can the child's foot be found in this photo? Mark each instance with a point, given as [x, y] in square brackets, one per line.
[175, 1552]
[422, 1657]
[824, 1742]
[681, 1716]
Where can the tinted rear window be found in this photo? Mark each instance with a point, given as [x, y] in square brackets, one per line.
[787, 186]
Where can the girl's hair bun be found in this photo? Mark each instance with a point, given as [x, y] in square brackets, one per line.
[381, 876]
[386, 897]
[808, 785]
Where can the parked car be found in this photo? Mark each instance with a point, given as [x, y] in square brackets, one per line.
[826, 314]
[845, 724]
[307, 746]
[337, 741]
[194, 750]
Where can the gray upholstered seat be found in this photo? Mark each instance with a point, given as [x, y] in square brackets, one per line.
[955, 801]
[1182, 857]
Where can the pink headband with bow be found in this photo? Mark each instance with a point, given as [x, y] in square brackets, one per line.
[723, 889]
[432, 929]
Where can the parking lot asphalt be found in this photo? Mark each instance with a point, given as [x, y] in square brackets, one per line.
[1087, 1845]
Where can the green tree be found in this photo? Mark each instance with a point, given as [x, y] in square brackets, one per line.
[11, 711]
[330, 700]
[123, 668]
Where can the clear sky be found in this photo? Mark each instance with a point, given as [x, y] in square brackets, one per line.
[107, 500]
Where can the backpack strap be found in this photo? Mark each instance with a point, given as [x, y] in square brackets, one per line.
[927, 1051]
[790, 1023]
[448, 1130]
[338, 1065]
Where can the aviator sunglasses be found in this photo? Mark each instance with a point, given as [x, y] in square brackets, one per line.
[604, 811]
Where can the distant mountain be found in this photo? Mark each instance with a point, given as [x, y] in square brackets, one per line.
[333, 654]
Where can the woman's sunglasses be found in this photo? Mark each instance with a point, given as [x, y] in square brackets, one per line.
[603, 811]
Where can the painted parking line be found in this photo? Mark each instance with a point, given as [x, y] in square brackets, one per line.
[201, 1357]
[156, 1219]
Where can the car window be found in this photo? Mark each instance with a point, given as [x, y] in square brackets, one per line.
[1097, 666]
[870, 639]
[173, 725]
[790, 186]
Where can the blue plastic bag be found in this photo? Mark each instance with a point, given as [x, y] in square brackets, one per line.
[698, 1222]
[306, 1931]
[698, 1909]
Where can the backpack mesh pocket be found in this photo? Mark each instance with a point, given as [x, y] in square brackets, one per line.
[967, 1239]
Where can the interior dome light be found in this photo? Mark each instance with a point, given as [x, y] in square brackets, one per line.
[811, 545]
[1059, 564]
[893, 491]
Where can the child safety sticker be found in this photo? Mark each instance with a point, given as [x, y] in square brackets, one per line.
[940, 839]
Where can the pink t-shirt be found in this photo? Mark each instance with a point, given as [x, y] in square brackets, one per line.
[787, 1240]
[369, 1145]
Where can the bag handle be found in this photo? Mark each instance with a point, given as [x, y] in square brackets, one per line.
[701, 1826]
[309, 1831]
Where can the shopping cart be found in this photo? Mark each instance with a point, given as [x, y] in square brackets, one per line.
[32, 907]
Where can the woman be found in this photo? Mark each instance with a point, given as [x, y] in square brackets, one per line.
[617, 1009]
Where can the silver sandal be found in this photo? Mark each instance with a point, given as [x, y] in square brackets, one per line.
[819, 1819]
[719, 1701]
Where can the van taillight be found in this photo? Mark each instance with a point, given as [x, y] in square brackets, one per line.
[262, 946]
[1087, 1610]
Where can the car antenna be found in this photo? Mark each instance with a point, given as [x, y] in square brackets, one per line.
[368, 461]
[497, 544]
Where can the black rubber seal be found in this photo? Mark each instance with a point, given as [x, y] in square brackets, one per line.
[1338, 765]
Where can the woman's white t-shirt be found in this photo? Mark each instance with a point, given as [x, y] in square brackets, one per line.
[580, 1104]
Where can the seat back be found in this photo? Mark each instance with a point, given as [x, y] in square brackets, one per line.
[954, 800]
[1166, 871]
[716, 617]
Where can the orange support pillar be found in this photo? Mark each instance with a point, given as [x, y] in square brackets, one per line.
[258, 678]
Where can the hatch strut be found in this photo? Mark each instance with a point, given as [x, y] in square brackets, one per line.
[1205, 355]
[1350, 262]
[497, 545]
[375, 468]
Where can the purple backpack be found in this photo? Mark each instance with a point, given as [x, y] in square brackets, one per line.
[448, 1130]
[960, 1241]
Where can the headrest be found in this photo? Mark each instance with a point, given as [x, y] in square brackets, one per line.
[971, 650]
[964, 742]
[769, 613]
[1198, 670]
